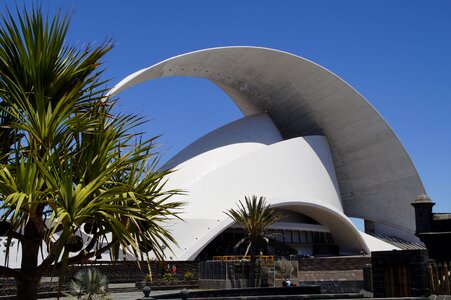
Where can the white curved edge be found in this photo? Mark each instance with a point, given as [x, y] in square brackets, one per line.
[144, 75]
[343, 231]
[299, 168]
[140, 76]
[376, 244]
[255, 129]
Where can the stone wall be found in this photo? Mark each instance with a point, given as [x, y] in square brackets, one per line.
[400, 273]
[131, 271]
[337, 287]
[334, 263]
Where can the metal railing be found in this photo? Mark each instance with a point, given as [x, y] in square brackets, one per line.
[262, 260]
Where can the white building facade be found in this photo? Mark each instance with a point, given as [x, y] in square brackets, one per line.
[308, 142]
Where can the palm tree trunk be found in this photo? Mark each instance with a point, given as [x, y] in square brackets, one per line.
[27, 287]
[27, 281]
[252, 266]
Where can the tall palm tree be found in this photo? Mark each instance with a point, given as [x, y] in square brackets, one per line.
[70, 160]
[255, 217]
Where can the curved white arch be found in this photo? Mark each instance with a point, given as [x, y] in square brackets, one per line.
[376, 177]
[343, 231]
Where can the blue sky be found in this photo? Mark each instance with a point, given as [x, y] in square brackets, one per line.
[397, 54]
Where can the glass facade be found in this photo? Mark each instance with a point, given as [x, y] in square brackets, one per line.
[300, 236]
[282, 242]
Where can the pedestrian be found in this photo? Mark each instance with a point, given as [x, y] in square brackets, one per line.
[174, 270]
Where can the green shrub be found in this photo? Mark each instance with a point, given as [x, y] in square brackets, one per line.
[188, 276]
[89, 284]
[168, 276]
[148, 278]
[284, 268]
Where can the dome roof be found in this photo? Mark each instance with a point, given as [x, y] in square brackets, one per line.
[423, 199]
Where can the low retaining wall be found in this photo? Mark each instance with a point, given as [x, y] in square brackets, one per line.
[337, 287]
[333, 263]
[303, 290]
[222, 284]
[117, 272]
[333, 275]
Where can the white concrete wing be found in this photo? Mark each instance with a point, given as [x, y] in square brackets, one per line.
[295, 175]
[375, 178]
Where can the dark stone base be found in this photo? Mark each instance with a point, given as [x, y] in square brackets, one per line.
[273, 291]
[400, 273]
[337, 287]
[438, 245]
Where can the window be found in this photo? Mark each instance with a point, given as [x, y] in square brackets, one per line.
[295, 234]
[278, 235]
[309, 237]
[287, 238]
[303, 237]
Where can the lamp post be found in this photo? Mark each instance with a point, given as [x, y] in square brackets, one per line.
[146, 291]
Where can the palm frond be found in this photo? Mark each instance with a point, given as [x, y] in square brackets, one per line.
[255, 217]
[66, 157]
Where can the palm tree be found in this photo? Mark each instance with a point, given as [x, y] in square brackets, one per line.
[255, 217]
[69, 160]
